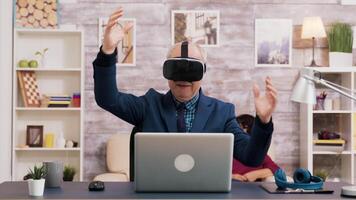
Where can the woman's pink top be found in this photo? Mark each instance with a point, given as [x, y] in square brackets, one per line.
[239, 168]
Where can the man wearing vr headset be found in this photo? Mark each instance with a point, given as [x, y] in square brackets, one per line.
[184, 108]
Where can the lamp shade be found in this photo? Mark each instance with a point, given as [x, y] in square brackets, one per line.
[313, 27]
[304, 89]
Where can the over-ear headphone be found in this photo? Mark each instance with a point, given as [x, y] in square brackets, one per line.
[302, 180]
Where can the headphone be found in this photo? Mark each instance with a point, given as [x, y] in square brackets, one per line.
[303, 179]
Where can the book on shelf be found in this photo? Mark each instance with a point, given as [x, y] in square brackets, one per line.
[333, 145]
[337, 142]
[56, 101]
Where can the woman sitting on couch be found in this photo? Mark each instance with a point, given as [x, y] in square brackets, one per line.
[250, 174]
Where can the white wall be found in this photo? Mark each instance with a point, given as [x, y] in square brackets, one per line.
[5, 88]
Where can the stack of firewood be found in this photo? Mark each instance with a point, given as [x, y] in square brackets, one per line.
[36, 13]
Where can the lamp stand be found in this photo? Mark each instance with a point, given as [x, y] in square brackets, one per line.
[313, 63]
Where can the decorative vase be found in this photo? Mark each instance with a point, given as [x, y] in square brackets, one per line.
[43, 61]
[54, 176]
[36, 187]
[68, 178]
[340, 59]
[61, 142]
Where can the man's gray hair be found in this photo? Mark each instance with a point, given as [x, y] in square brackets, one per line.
[202, 52]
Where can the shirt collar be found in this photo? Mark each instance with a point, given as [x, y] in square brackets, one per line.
[189, 105]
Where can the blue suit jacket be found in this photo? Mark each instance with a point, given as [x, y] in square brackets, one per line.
[156, 112]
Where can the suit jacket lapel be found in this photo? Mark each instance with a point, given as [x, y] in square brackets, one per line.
[168, 112]
[202, 113]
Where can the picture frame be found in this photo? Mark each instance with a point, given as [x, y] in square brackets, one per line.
[36, 14]
[199, 26]
[126, 53]
[273, 42]
[34, 135]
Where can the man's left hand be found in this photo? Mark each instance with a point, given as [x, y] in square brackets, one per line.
[265, 104]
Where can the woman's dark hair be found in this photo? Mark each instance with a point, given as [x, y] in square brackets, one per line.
[246, 122]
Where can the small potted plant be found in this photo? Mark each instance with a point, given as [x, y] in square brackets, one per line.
[340, 37]
[323, 174]
[36, 180]
[68, 173]
[42, 57]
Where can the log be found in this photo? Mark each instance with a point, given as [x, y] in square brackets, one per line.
[23, 21]
[36, 24]
[22, 3]
[54, 6]
[38, 14]
[52, 19]
[48, 8]
[23, 12]
[29, 26]
[39, 4]
[32, 2]
[44, 23]
[31, 9]
[31, 19]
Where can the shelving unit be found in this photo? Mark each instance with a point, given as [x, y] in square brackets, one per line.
[63, 74]
[342, 120]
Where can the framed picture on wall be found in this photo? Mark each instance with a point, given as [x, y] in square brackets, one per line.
[36, 14]
[273, 42]
[34, 136]
[126, 49]
[199, 26]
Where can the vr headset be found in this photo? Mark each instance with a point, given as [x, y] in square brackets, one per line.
[302, 180]
[183, 68]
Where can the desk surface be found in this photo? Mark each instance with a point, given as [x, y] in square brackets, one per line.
[125, 190]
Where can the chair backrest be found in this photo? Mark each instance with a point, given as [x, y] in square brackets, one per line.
[132, 152]
[117, 153]
[271, 151]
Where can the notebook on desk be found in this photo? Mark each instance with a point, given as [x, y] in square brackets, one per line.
[273, 189]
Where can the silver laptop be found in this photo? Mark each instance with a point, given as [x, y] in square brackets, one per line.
[183, 162]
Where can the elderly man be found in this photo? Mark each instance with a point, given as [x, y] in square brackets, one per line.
[184, 108]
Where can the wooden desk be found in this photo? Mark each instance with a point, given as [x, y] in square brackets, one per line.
[125, 190]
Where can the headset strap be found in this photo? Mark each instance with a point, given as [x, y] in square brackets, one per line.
[184, 49]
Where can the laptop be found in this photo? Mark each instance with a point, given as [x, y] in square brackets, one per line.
[183, 162]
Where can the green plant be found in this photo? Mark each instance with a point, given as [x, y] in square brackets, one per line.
[41, 53]
[340, 38]
[36, 173]
[322, 174]
[68, 173]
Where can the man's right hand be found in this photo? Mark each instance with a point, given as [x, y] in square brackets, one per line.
[113, 32]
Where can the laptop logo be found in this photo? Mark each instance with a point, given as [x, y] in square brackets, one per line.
[184, 162]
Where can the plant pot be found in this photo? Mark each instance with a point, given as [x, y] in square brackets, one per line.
[36, 187]
[68, 178]
[340, 59]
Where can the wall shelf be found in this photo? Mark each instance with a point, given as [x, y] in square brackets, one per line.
[47, 149]
[47, 109]
[51, 69]
[332, 111]
[63, 74]
[341, 121]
